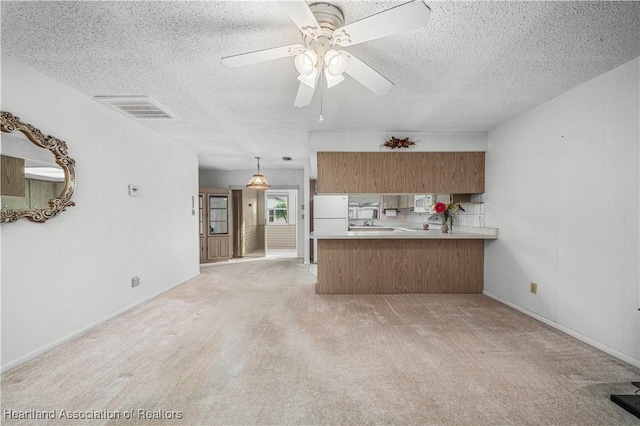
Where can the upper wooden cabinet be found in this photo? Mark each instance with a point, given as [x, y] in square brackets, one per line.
[404, 201]
[390, 201]
[401, 172]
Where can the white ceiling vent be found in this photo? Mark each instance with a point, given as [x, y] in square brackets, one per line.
[140, 107]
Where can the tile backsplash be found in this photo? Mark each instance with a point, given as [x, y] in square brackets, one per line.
[472, 216]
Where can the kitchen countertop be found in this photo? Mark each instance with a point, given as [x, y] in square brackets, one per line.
[459, 232]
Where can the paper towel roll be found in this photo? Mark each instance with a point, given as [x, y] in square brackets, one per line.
[390, 212]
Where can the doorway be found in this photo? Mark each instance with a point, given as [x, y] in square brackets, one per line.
[265, 223]
[248, 223]
[281, 229]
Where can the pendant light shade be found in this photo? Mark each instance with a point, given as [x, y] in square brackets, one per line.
[257, 180]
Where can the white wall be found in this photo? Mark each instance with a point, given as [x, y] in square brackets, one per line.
[72, 272]
[277, 179]
[562, 184]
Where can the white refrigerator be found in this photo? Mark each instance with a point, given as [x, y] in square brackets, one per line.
[330, 214]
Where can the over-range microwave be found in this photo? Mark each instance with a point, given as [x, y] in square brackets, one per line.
[422, 202]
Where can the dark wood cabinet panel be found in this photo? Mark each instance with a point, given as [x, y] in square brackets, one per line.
[475, 178]
[401, 172]
[400, 266]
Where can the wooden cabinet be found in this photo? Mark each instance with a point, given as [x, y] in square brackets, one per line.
[215, 238]
[401, 172]
[390, 201]
[405, 201]
[402, 201]
[445, 266]
[461, 198]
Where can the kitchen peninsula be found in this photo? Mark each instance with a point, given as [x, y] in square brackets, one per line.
[402, 261]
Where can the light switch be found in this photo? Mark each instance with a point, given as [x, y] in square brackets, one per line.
[133, 190]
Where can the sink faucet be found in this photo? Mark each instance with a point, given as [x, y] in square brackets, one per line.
[368, 222]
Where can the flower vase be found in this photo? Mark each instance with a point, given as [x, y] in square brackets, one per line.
[444, 228]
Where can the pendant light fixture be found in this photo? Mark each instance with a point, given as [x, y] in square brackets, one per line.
[257, 180]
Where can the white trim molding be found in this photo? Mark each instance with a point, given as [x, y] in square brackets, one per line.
[598, 345]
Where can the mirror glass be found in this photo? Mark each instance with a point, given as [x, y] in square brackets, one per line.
[33, 175]
[37, 178]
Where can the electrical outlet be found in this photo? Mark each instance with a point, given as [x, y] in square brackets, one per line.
[135, 281]
[534, 288]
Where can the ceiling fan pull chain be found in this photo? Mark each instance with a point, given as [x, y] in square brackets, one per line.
[321, 119]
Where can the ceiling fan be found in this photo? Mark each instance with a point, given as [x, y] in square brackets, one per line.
[323, 36]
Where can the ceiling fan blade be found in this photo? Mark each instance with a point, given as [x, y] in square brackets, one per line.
[304, 96]
[302, 16]
[261, 55]
[367, 76]
[405, 17]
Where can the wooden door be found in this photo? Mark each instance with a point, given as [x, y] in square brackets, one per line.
[238, 225]
[216, 232]
[202, 220]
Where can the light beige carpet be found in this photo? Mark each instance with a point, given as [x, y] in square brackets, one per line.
[251, 343]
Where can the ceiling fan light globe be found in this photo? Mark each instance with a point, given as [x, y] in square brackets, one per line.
[332, 80]
[311, 79]
[306, 62]
[336, 62]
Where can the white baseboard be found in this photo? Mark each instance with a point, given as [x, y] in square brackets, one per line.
[598, 345]
[33, 354]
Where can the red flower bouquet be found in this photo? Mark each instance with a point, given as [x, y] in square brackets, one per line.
[448, 211]
[440, 207]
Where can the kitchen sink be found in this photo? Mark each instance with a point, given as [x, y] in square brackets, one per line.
[370, 228]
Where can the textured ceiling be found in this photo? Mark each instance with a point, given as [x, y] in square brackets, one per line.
[476, 65]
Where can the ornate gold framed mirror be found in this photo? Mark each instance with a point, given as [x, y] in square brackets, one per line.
[33, 184]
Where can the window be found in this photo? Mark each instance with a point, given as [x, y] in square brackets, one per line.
[218, 214]
[278, 209]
